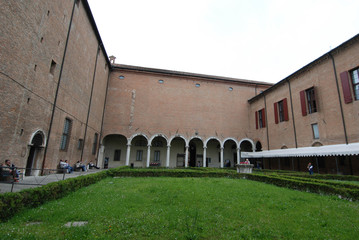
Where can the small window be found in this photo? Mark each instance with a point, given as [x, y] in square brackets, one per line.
[121, 77]
[66, 134]
[198, 85]
[160, 81]
[80, 144]
[315, 131]
[117, 155]
[230, 89]
[52, 67]
[139, 155]
[157, 156]
[355, 79]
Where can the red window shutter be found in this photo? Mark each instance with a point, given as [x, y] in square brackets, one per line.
[263, 118]
[344, 76]
[285, 109]
[276, 112]
[256, 114]
[302, 102]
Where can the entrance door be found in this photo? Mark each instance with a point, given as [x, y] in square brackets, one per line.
[30, 161]
[192, 155]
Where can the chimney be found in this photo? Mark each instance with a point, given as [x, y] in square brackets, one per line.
[112, 59]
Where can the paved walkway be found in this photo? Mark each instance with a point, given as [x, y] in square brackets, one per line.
[37, 181]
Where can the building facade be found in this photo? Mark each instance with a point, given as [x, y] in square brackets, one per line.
[62, 98]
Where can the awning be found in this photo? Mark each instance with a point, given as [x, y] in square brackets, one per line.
[328, 150]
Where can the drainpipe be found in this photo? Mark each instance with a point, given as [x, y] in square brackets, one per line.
[57, 89]
[339, 98]
[265, 109]
[89, 105]
[291, 106]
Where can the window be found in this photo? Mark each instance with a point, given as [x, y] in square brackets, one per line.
[260, 119]
[355, 81]
[94, 145]
[198, 85]
[117, 155]
[281, 111]
[121, 77]
[160, 81]
[157, 156]
[308, 101]
[139, 155]
[80, 144]
[315, 131]
[52, 67]
[66, 134]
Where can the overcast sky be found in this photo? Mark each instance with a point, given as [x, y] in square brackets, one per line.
[263, 40]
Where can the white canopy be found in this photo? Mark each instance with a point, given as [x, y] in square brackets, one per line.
[328, 150]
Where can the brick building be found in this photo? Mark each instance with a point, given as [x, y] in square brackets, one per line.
[62, 98]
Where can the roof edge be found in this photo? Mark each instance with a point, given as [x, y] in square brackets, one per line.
[187, 74]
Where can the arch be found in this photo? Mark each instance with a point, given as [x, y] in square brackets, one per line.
[158, 135]
[230, 138]
[284, 147]
[135, 135]
[249, 140]
[317, 144]
[195, 137]
[178, 136]
[113, 153]
[258, 146]
[209, 139]
[37, 137]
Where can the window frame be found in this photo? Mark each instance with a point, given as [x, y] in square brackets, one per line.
[311, 100]
[117, 155]
[66, 134]
[314, 131]
[139, 155]
[157, 156]
[355, 85]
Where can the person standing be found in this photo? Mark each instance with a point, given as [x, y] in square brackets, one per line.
[310, 168]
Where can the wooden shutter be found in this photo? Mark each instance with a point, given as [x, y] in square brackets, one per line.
[285, 109]
[276, 112]
[303, 103]
[263, 118]
[344, 76]
[256, 114]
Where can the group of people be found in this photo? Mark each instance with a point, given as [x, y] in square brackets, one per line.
[79, 165]
[8, 169]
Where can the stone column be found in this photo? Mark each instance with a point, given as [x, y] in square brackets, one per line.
[186, 157]
[222, 165]
[148, 155]
[100, 156]
[128, 154]
[204, 156]
[238, 155]
[168, 156]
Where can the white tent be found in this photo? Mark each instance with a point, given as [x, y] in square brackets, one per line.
[329, 150]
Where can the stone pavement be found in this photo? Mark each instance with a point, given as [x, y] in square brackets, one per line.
[37, 181]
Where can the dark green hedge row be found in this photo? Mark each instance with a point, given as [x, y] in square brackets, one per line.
[306, 185]
[323, 180]
[12, 203]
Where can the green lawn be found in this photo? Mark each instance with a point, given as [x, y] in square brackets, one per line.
[187, 208]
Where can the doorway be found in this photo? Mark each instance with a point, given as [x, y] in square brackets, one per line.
[32, 160]
[192, 154]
